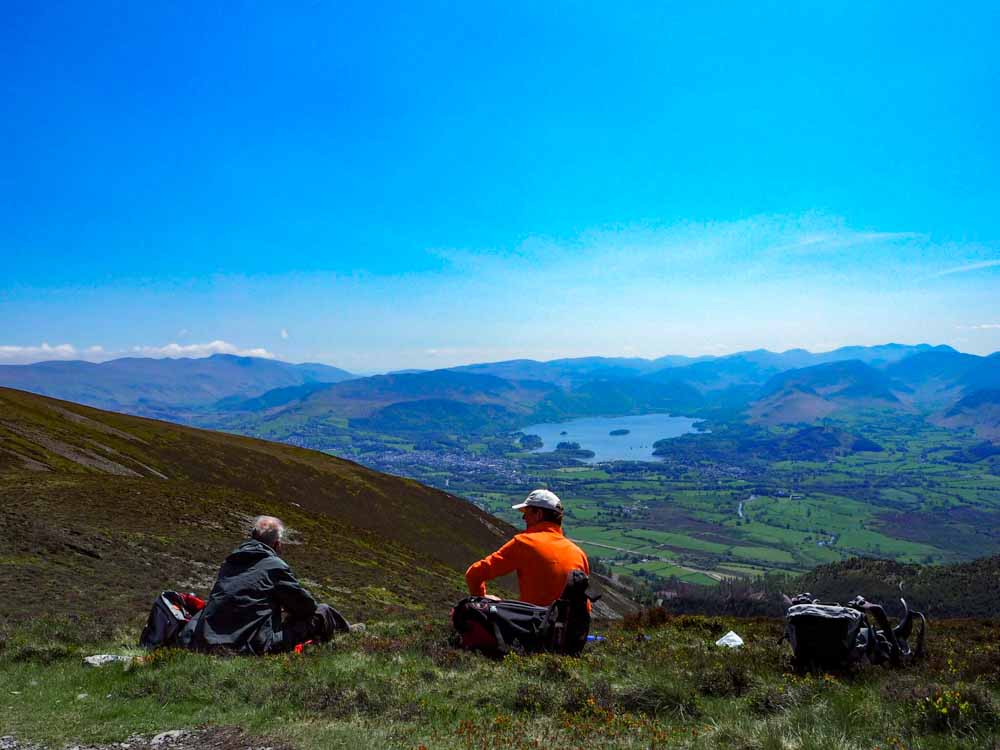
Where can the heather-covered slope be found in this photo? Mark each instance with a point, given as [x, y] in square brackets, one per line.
[103, 510]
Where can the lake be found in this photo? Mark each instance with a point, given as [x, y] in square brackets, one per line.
[592, 433]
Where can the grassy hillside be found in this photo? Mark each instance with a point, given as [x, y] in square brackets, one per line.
[655, 682]
[104, 510]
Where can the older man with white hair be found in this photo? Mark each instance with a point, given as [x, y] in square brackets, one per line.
[257, 606]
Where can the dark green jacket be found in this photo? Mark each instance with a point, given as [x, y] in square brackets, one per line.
[243, 612]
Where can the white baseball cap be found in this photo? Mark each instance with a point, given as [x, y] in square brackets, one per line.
[540, 499]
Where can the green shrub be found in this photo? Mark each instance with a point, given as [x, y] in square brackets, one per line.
[958, 708]
[653, 617]
[49, 639]
[699, 624]
[370, 698]
[724, 680]
[659, 698]
[546, 667]
[534, 697]
[768, 700]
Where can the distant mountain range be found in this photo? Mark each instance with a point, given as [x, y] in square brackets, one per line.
[163, 387]
[794, 387]
[708, 373]
[280, 400]
[953, 389]
[568, 373]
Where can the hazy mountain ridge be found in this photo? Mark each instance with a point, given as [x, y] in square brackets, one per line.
[953, 389]
[791, 387]
[161, 387]
[757, 385]
[570, 372]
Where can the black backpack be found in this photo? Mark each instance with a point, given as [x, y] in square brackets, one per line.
[497, 627]
[833, 637]
[167, 617]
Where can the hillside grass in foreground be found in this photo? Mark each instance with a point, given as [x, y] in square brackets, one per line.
[655, 682]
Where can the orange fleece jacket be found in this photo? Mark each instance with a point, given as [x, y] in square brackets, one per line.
[542, 556]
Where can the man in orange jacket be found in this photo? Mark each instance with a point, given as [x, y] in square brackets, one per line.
[541, 555]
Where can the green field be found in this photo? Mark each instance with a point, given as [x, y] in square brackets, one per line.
[663, 519]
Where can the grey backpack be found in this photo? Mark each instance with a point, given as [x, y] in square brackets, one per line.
[833, 637]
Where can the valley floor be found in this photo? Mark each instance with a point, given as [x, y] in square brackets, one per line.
[659, 683]
[711, 507]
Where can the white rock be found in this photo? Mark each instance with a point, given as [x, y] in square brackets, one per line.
[730, 639]
[99, 660]
[164, 737]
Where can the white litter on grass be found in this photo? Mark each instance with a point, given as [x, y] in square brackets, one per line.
[99, 660]
[730, 639]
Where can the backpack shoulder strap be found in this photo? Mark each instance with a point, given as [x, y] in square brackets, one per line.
[878, 614]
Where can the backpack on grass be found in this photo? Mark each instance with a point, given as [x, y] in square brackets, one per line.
[832, 636]
[499, 626]
[171, 611]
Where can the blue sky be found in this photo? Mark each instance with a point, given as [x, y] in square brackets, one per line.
[419, 184]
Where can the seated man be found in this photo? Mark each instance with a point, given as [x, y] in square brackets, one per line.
[541, 555]
[254, 587]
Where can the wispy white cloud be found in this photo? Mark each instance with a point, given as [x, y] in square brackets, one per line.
[43, 352]
[839, 239]
[284, 334]
[981, 327]
[966, 268]
[199, 350]
[699, 252]
[17, 355]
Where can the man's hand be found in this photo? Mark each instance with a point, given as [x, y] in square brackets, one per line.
[490, 596]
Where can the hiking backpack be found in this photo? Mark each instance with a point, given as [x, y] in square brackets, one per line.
[499, 626]
[832, 637]
[171, 611]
